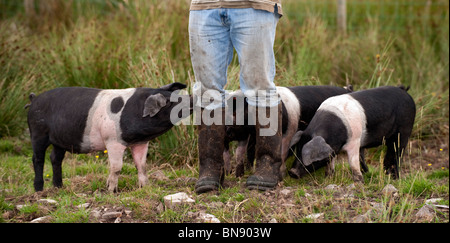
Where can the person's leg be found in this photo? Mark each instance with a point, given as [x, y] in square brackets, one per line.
[253, 36]
[211, 53]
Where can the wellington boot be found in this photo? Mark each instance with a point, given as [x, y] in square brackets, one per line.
[210, 149]
[268, 152]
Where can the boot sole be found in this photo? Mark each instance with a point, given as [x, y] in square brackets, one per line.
[207, 185]
[255, 183]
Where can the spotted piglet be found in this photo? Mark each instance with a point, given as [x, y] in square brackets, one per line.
[83, 120]
[355, 121]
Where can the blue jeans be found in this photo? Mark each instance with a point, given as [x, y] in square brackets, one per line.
[213, 34]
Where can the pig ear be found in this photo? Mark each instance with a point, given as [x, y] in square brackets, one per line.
[316, 150]
[153, 105]
[296, 138]
[173, 86]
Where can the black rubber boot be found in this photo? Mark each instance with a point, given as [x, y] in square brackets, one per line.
[268, 155]
[210, 149]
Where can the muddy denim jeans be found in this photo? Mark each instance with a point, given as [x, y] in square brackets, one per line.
[213, 34]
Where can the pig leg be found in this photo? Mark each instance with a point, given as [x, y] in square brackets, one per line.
[392, 158]
[362, 161]
[226, 156]
[40, 145]
[227, 161]
[240, 157]
[353, 159]
[250, 152]
[115, 157]
[329, 169]
[139, 153]
[57, 157]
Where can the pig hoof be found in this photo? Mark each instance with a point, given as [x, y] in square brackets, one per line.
[294, 173]
[239, 170]
[143, 181]
[358, 179]
[112, 187]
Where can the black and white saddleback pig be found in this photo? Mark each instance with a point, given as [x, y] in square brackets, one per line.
[299, 104]
[352, 122]
[83, 120]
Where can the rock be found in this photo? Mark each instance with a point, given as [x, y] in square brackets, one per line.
[364, 218]
[425, 214]
[433, 200]
[45, 219]
[84, 205]
[128, 212]
[207, 218]
[160, 208]
[201, 217]
[47, 201]
[159, 175]
[343, 196]
[111, 215]
[19, 206]
[351, 187]
[389, 189]
[180, 198]
[285, 192]
[314, 216]
[332, 187]
[96, 213]
[273, 221]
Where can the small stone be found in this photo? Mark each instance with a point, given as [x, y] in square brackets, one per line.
[111, 215]
[332, 187]
[207, 218]
[433, 200]
[273, 221]
[159, 208]
[285, 192]
[45, 219]
[180, 198]
[389, 189]
[96, 213]
[47, 201]
[364, 218]
[84, 205]
[425, 214]
[314, 216]
[159, 175]
[351, 186]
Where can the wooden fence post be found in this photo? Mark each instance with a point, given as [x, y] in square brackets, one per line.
[342, 16]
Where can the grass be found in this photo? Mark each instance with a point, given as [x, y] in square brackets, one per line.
[111, 44]
[84, 178]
